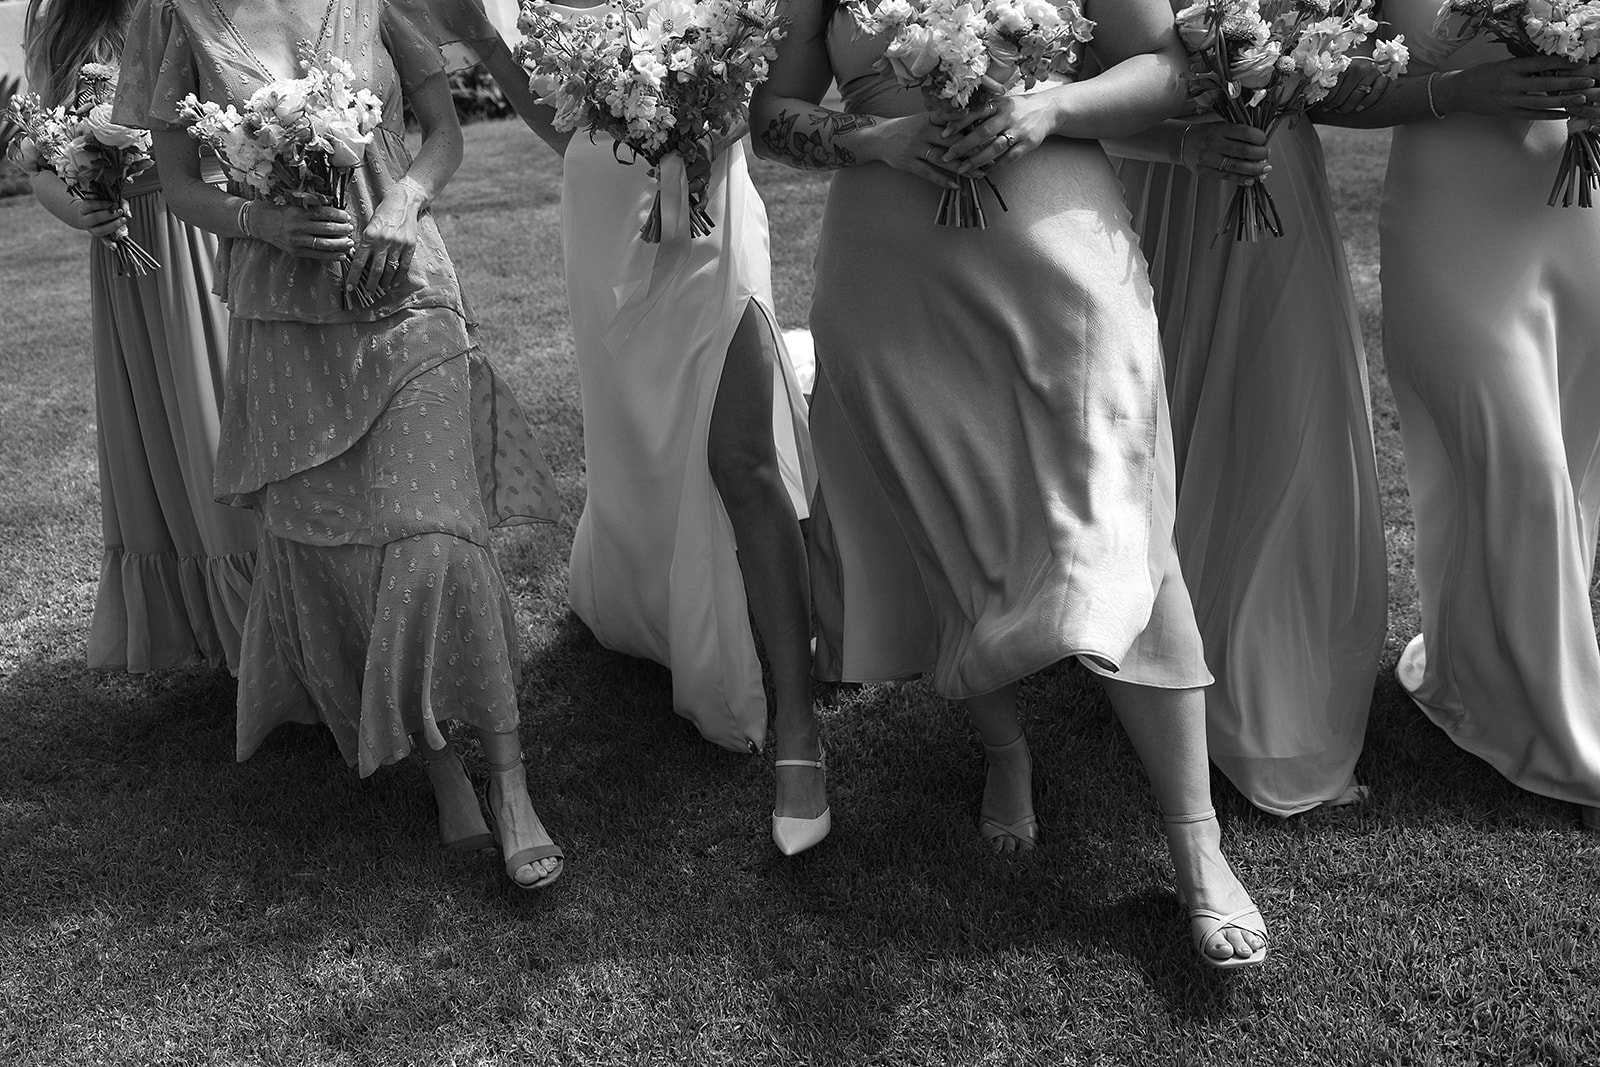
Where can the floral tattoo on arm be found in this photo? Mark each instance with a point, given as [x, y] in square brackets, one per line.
[813, 147]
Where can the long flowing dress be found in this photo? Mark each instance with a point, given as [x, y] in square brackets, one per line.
[1492, 339]
[377, 445]
[175, 574]
[1279, 525]
[994, 456]
[654, 572]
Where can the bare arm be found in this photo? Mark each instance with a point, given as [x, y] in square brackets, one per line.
[389, 240]
[513, 81]
[321, 234]
[1141, 82]
[1535, 88]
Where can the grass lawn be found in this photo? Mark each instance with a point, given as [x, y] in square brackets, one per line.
[164, 905]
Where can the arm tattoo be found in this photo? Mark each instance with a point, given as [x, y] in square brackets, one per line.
[813, 148]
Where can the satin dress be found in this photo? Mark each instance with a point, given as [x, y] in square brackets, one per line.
[1492, 339]
[1279, 525]
[995, 461]
[654, 572]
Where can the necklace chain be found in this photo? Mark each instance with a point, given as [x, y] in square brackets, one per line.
[322, 34]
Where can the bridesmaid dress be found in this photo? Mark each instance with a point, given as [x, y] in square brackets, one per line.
[1492, 339]
[175, 575]
[1279, 525]
[377, 444]
[994, 455]
[653, 572]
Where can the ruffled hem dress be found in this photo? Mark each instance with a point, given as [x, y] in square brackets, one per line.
[176, 574]
[990, 426]
[1279, 526]
[377, 445]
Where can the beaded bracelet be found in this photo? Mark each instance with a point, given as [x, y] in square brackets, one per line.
[1431, 108]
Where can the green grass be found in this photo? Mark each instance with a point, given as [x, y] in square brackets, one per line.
[165, 905]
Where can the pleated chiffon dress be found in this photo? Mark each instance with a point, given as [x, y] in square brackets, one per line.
[176, 571]
[1279, 526]
[994, 458]
[654, 570]
[1492, 341]
[377, 445]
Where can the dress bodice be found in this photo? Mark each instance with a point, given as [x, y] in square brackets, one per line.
[865, 87]
[177, 47]
[1415, 19]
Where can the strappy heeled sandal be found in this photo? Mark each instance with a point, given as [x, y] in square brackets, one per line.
[1205, 923]
[477, 838]
[792, 835]
[1025, 831]
[524, 856]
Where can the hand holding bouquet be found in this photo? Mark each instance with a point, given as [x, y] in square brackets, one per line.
[1565, 29]
[297, 140]
[663, 77]
[962, 53]
[93, 156]
[1257, 62]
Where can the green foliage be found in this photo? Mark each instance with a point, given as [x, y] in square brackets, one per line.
[476, 96]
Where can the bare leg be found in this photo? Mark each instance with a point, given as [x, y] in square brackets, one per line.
[518, 823]
[744, 468]
[1008, 784]
[461, 822]
[1168, 731]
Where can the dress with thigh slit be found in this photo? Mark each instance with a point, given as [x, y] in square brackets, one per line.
[654, 572]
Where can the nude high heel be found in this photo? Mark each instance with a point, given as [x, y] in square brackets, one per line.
[791, 835]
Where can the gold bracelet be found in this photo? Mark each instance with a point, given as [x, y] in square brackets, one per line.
[1431, 108]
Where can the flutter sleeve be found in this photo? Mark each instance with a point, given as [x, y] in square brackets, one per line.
[158, 68]
[413, 49]
[460, 29]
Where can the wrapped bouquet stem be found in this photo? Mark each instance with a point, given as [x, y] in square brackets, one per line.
[1258, 62]
[667, 79]
[94, 157]
[297, 140]
[965, 53]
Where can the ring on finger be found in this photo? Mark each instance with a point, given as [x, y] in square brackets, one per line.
[1010, 141]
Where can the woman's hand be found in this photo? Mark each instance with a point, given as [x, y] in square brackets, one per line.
[1229, 151]
[1535, 88]
[1360, 86]
[384, 252]
[910, 143]
[309, 233]
[1002, 131]
[102, 219]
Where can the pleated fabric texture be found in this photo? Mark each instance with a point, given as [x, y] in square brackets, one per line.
[1279, 526]
[175, 576]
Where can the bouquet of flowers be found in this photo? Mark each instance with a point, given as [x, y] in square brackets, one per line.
[952, 50]
[1567, 29]
[93, 156]
[663, 77]
[1257, 62]
[297, 140]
